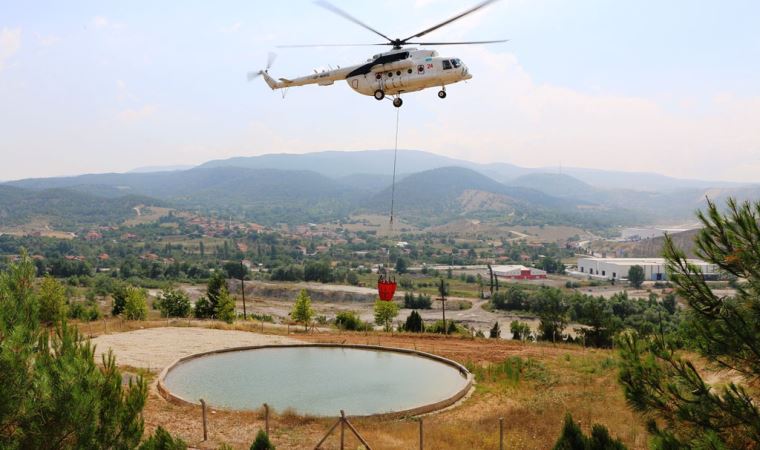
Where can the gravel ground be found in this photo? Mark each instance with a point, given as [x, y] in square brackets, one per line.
[156, 348]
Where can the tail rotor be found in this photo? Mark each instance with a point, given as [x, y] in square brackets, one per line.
[270, 61]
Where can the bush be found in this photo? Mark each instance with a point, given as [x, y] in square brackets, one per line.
[84, 311]
[520, 331]
[162, 440]
[414, 323]
[421, 301]
[495, 332]
[352, 278]
[173, 303]
[350, 321]
[262, 442]
[572, 438]
[136, 306]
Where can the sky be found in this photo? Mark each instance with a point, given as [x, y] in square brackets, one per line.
[637, 85]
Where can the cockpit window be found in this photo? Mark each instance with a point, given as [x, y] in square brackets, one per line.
[446, 65]
[456, 63]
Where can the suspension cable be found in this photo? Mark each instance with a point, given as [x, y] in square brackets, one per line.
[395, 156]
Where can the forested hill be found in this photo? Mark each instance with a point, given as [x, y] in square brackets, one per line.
[65, 208]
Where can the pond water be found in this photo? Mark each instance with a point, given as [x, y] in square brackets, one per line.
[315, 380]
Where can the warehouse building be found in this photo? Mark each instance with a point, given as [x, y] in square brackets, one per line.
[617, 268]
[519, 273]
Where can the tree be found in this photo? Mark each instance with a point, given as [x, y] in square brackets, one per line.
[52, 295]
[225, 307]
[414, 323]
[495, 332]
[443, 291]
[401, 265]
[572, 438]
[136, 306]
[54, 395]
[302, 311]
[262, 442]
[236, 270]
[119, 295]
[352, 278]
[217, 284]
[173, 303]
[663, 384]
[552, 311]
[520, 330]
[385, 312]
[636, 276]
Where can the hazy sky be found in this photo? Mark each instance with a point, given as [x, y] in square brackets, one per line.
[94, 86]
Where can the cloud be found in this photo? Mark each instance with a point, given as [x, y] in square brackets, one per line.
[138, 114]
[10, 43]
[504, 114]
[47, 41]
[102, 23]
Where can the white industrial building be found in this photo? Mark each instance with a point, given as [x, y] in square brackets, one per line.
[617, 268]
[518, 272]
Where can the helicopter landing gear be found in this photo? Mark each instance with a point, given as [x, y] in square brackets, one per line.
[397, 102]
[379, 94]
[442, 93]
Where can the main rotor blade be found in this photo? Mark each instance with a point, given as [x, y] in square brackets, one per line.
[345, 15]
[455, 18]
[458, 43]
[330, 45]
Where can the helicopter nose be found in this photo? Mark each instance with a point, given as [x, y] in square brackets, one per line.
[466, 72]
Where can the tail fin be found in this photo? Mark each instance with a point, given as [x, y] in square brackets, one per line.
[274, 84]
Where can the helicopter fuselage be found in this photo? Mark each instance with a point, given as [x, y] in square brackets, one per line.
[392, 73]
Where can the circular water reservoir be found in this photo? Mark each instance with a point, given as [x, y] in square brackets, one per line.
[319, 380]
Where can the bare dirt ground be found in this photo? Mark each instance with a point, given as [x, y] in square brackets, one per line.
[155, 348]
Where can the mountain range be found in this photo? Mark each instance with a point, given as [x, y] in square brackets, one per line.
[430, 189]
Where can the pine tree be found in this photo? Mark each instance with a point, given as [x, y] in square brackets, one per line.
[302, 311]
[52, 297]
[262, 442]
[54, 395]
[663, 384]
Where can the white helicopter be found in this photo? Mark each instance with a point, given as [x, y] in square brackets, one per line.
[392, 73]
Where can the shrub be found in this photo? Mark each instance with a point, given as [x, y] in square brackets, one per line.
[350, 321]
[572, 438]
[262, 442]
[421, 301]
[136, 306]
[173, 303]
[414, 323]
[162, 440]
[225, 307]
[495, 332]
[302, 311]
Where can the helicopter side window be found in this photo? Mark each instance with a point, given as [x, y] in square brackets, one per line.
[398, 72]
[446, 65]
[456, 63]
[421, 68]
[409, 71]
[378, 76]
[390, 74]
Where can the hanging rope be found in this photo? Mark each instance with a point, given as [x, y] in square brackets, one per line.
[395, 155]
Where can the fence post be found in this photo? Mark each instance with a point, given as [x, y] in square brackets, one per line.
[501, 433]
[205, 429]
[266, 418]
[342, 428]
[421, 436]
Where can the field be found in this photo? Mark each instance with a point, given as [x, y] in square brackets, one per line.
[532, 386]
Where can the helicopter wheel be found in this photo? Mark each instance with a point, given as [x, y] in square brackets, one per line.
[441, 94]
[379, 94]
[397, 102]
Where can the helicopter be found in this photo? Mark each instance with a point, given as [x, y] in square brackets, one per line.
[389, 74]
